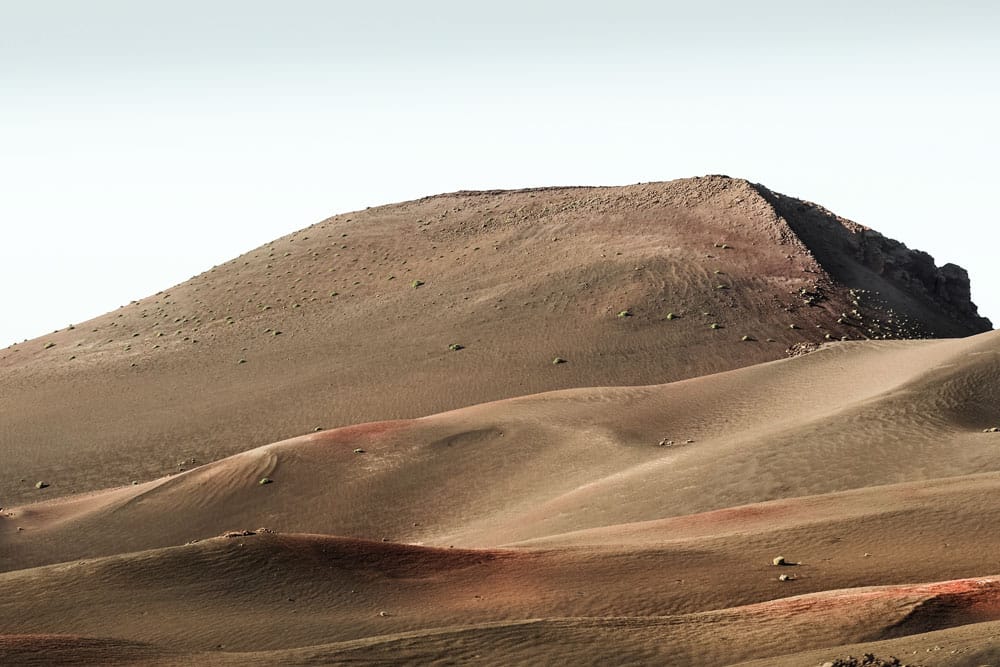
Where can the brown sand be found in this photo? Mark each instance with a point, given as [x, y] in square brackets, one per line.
[595, 525]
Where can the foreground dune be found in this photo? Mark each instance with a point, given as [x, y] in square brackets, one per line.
[301, 599]
[556, 526]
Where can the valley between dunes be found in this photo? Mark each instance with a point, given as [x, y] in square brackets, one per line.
[491, 507]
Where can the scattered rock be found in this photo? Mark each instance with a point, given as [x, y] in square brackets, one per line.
[866, 660]
[265, 480]
[359, 451]
[799, 349]
[779, 560]
[558, 360]
[992, 429]
[41, 485]
[786, 577]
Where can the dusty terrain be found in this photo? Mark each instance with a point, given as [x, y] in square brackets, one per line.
[351, 490]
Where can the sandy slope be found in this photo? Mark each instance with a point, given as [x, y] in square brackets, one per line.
[298, 596]
[571, 526]
[574, 460]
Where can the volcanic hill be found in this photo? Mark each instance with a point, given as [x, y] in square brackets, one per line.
[772, 437]
[352, 319]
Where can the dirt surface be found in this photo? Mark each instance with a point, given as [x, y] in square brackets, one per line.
[356, 492]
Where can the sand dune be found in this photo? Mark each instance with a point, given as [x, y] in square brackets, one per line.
[349, 600]
[487, 506]
[757, 434]
[653, 536]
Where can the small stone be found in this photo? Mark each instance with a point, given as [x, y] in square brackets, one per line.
[265, 480]
[779, 560]
[785, 577]
[359, 451]
[41, 485]
[238, 533]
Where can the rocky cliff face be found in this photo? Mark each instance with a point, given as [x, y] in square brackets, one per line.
[947, 285]
[862, 258]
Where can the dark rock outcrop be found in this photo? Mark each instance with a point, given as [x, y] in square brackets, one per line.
[864, 259]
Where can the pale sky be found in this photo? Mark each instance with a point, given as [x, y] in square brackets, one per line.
[142, 143]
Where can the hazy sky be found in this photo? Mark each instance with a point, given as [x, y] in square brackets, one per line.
[141, 143]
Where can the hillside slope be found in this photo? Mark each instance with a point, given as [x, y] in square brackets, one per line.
[351, 320]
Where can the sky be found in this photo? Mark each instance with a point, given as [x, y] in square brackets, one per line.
[142, 143]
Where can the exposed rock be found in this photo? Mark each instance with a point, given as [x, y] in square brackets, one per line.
[860, 257]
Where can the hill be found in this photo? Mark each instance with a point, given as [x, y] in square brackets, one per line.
[352, 320]
[772, 437]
